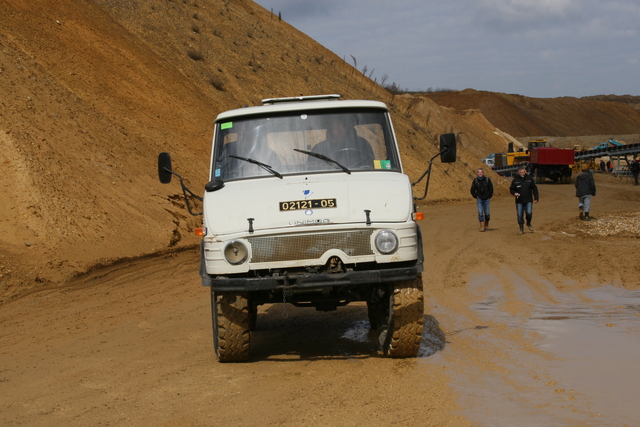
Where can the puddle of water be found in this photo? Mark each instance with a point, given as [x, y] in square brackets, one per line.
[591, 378]
[598, 347]
[594, 343]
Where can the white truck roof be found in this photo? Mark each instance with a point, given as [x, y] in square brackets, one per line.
[302, 103]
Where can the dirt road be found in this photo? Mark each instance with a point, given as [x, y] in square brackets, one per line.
[539, 329]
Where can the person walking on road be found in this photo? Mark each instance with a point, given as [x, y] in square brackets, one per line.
[585, 188]
[634, 167]
[524, 189]
[482, 191]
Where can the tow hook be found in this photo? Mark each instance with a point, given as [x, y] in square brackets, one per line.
[286, 291]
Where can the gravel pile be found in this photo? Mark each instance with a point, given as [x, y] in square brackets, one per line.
[627, 224]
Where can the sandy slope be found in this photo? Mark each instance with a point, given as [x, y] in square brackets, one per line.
[521, 116]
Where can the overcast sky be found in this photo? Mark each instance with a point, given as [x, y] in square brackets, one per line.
[536, 48]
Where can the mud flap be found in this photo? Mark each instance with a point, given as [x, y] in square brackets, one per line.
[386, 325]
[384, 337]
[420, 263]
[206, 279]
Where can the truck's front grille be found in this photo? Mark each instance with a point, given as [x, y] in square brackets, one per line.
[309, 246]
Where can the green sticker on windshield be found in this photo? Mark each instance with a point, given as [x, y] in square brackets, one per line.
[227, 125]
[382, 164]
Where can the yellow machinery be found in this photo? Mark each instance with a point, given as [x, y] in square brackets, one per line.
[517, 157]
[582, 165]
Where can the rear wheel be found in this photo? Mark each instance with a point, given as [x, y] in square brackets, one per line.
[400, 334]
[230, 313]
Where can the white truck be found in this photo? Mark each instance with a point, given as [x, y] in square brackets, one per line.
[308, 204]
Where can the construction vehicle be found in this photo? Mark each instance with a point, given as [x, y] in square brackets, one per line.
[551, 162]
[540, 160]
[506, 163]
[490, 161]
[582, 165]
[558, 163]
[610, 142]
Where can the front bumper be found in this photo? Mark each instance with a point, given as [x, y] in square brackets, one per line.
[309, 281]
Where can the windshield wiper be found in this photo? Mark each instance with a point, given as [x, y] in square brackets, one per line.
[325, 158]
[262, 165]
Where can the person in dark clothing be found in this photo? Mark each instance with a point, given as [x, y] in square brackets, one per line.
[585, 188]
[603, 166]
[343, 144]
[634, 167]
[524, 189]
[482, 191]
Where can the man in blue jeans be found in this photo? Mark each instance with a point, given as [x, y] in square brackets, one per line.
[482, 191]
[524, 189]
[585, 188]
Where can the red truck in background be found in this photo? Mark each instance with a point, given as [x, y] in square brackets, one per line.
[550, 162]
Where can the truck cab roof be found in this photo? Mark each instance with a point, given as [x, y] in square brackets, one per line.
[302, 103]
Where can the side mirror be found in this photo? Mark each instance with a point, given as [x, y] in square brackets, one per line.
[214, 185]
[448, 148]
[164, 167]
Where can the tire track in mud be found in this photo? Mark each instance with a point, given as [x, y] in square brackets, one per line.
[119, 270]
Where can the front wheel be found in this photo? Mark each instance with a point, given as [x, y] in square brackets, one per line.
[400, 334]
[231, 336]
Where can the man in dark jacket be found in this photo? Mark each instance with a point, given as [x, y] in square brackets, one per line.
[585, 188]
[482, 191]
[524, 189]
[634, 167]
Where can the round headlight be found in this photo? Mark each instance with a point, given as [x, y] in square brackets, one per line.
[386, 242]
[235, 252]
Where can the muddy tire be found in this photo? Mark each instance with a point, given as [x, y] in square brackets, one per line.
[401, 333]
[231, 336]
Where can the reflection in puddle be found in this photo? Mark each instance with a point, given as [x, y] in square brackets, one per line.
[597, 349]
[594, 344]
[433, 338]
[358, 331]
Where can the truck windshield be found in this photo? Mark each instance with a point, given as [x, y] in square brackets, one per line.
[304, 142]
